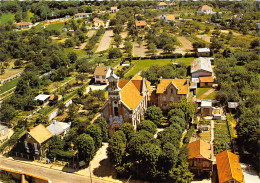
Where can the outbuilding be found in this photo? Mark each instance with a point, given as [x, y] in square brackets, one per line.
[42, 98]
[203, 52]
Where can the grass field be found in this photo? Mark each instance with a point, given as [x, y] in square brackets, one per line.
[29, 16]
[146, 63]
[211, 96]
[201, 91]
[222, 137]
[57, 26]
[6, 17]
[9, 85]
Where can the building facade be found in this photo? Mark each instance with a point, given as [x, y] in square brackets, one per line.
[127, 101]
[205, 9]
[101, 74]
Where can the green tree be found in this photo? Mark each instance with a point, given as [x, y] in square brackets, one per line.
[69, 43]
[8, 112]
[177, 120]
[166, 136]
[117, 147]
[117, 40]
[148, 126]
[154, 114]
[176, 112]
[86, 147]
[81, 77]
[114, 53]
[128, 130]
[102, 123]
[168, 48]
[95, 132]
[18, 63]
[42, 119]
[128, 46]
[152, 48]
[72, 56]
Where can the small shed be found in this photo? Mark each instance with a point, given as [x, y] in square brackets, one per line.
[42, 98]
[59, 128]
[232, 106]
[206, 107]
[206, 81]
[203, 52]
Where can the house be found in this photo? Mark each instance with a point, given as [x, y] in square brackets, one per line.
[3, 133]
[232, 106]
[80, 15]
[42, 98]
[59, 128]
[206, 81]
[113, 9]
[166, 18]
[24, 25]
[127, 101]
[161, 6]
[34, 139]
[229, 168]
[203, 52]
[97, 23]
[205, 9]
[237, 17]
[201, 67]
[206, 107]
[101, 74]
[200, 157]
[140, 24]
[171, 90]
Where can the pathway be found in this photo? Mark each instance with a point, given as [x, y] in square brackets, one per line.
[139, 51]
[105, 41]
[206, 94]
[91, 33]
[186, 44]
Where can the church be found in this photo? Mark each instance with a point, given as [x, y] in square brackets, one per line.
[127, 101]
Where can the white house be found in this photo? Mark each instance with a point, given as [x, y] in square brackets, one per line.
[113, 9]
[200, 67]
[205, 9]
[203, 52]
[24, 25]
[42, 98]
[101, 74]
[167, 18]
[80, 15]
[59, 128]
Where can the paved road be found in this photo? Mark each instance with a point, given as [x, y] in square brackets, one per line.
[55, 176]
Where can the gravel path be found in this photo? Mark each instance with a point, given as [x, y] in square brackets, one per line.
[105, 41]
[91, 33]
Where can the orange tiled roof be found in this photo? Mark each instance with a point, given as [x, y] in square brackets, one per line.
[40, 133]
[140, 23]
[205, 7]
[181, 84]
[24, 23]
[229, 167]
[170, 17]
[101, 70]
[162, 4]
[78, 14]
[131, 91]
[113, 8]
[200, 149]
[206, 79]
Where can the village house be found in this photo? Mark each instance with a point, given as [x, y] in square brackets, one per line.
[101, 74]
[161, 6]
[171, 90]
[127, 101]
[205, 9]
[166, 18]
[203, 52]
[59, 128]
[140, 24]
[229, 168]
[81, 15]
[24, 25]
[35, 138]
[200, 157]
[200, 67]
[113, 9]
[206, 107]
[97, 23]
[152, 24]
[42, 98]
[206, 81]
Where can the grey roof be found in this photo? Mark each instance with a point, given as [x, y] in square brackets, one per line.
[232, 105]
[203, 50]
[42, 97]
[57, 128]
[206, 103]
[201, 64]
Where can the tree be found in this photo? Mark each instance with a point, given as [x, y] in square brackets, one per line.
[255, 43]
[118, 29]
[102, 123]
[117, 147]
[18, 63]
[95, 132]
[81, 77]
[114, 53]
[154, 114]
[216, 45]
[207, 30]
[167, 136]
[8, 112]
[148, 126]
[117, 40]
[22, 87]
[72, 112]
[139, 41]
[177, 120]
[128, 130]
[176, 112]
[69, 43]
[42, 119]
[128, 46]
[72, 56]
[169, 47]
[152, 48]
[169, 156]
[86, 147]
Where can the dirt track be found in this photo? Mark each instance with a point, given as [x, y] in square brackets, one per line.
[139, 51]
[186, 44]
[105, 41]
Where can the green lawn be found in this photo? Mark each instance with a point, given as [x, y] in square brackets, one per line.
[6, 17]
[146, 63]
[9, 85]
[201, 91]
[29, 16]
[211, 96]
[58, 26]
[222, 136]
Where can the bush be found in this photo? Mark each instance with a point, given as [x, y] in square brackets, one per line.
[148, 126]
[114, 53]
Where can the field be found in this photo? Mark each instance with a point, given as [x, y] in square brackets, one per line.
[146, 63]
[6, 17]
[222, 137]
[105, 41]
[201, 91]
[57, 26]
[9, 85]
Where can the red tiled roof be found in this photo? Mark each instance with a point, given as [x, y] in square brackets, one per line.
[200, 149]
[140, 23]
[101, 71]
[229, 167]
[206, 79]
[205, 7]
[24, 23]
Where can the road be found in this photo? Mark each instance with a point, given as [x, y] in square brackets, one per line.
[55, 176]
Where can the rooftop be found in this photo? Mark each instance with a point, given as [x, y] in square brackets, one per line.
[181, 84]
[40, 133]
[101, 70]
[200, 149]
[140, 23]
[201, 64]
[42, 97]
[170, 17]
[24, 23]
[205, 7]
[229, 167]
[57, 128]
[206, 103]
[232, 105]
[203, 50]
[162, 4]
[206, 79]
